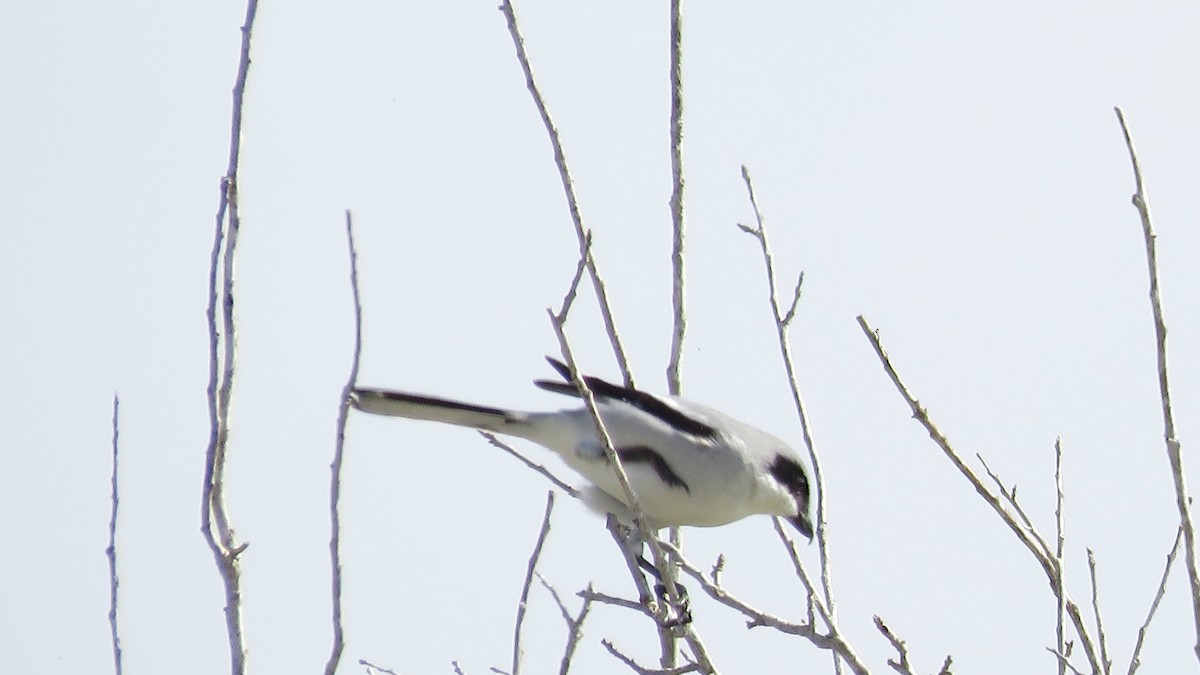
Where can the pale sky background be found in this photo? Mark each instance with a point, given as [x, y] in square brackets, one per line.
[952, 170]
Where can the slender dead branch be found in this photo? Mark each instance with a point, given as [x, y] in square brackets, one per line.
[1064, 661]
[832, 641]
[1135, 660]
[214, 517]
[678, 305]
[1060, 536]
[574, 623]
[606, 599]
[1174, 447]
[540, 468]
[782, 324]
[902, 666]
[679, 325]
[642, 670]
[530, 570]
[335, 467]
[582, 233]
[372, 668]
[1010, 496]
[1091, 557]
[111, 551]
[1026, 535]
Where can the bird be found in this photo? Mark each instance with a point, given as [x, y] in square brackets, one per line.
[688, 464]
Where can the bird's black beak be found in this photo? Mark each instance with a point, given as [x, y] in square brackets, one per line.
[803, 524]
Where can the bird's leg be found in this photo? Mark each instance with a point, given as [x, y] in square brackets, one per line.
[683, 612]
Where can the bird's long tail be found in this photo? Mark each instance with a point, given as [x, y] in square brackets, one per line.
[419, 407]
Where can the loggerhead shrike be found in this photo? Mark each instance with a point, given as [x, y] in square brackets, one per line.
[687, 463]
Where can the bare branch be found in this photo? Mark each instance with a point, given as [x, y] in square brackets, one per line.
[573, 289]
[371, 667]
[1064, 661]
[540, 468]
[1010, 496]
[1174, 449]
[574, 623]
[529, 572]
[560, 159]
[1059, 527]
[335, 467]
[1135, 660]
[642, 670]
[902, 666]
[111, 551]
[214, 517]
[1107, 663]
[782, 322]
[679, 324]
[1035, 544]
[833, 641]
[597, 596]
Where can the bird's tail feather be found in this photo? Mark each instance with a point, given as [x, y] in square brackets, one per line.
[416, 406]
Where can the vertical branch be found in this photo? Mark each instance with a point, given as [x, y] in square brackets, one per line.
[1104, 660]
[560, 159]
[111, 551]
[335, 468]
[1174, 448]
[678, 307]
[783, 320]
[530, 571]
[1060, 627]
[214, 517]
[677, 295]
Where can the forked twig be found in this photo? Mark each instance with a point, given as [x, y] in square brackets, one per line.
[214, 517]
[1035, 544]
[783, 321]
[530, 571]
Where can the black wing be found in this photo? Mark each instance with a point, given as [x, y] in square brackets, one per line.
[647, 403]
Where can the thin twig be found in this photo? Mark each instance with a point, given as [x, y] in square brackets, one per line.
[642, 670]
[335, 468]
[833, 641]
[782, 323]
[574, 623]
[1031, 542]
[679, 324]
[606, 599]
[560, 160]
[902, 666]
[1135, 661]
[372, 666]
[1064, 661]
[1106, 662]
[214, 517]
[530, 570]
[540, 468]
[111, 551]
[678, 296]
[1174, 448]
[1059, 527]
[1010, 496]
